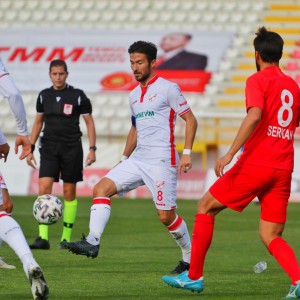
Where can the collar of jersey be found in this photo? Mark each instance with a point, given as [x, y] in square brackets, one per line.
[144, 88]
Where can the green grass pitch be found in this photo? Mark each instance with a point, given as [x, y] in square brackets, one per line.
[136, 251]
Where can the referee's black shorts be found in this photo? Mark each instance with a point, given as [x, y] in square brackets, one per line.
[62, 160]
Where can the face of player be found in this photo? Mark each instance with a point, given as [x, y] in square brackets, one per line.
[173, 41]
[142, 70]
[58, 76]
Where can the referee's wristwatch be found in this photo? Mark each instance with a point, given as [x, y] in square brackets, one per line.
[93, 148]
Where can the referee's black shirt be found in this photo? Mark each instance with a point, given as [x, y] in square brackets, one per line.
[62, 110]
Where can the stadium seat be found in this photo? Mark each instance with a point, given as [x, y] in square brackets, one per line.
[18, 4]
[73, 5]
[215, 5]
[200, 5]
[296, 53]
[10, 15]
[87, 5]
[292, 65]
[60, 5]
[24, 15]
[5, 4]
[100, 5]
[222, 17]
[46, 4]
[32, 4]
[208, 17]
[37, 15]
[229, 5]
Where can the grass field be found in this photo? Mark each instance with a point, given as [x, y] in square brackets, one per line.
[136, 251]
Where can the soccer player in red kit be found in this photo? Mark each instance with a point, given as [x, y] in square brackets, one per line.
[264, 169]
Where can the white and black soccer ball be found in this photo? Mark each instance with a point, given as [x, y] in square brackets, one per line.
[47, 209]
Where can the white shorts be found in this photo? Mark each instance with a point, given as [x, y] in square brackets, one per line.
[160, 179]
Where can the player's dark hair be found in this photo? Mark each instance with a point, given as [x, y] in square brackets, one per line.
[269, 45]
[58, 63]
[147, 48]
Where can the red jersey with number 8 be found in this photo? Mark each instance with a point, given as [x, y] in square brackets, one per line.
[272, 142]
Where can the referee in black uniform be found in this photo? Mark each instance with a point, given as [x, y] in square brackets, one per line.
[61, 155]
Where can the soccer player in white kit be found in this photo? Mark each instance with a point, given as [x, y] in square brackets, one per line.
[150, 155]
[10, 230]
[7, 205]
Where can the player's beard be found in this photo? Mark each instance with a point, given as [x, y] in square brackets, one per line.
[145, 77]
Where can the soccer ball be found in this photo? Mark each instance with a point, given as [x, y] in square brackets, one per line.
[47, 209]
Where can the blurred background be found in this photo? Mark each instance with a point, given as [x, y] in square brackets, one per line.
[93, 37]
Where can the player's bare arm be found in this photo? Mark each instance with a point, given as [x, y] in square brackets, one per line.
[91, 132]
[191, 125]
[131, 142]
[247, 127]
[36, 129]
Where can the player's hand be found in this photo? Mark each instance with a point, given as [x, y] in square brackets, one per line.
[185, 163]
[30, 159]
[4, 150]
[23, 141]
[91, 158]
[221, 163]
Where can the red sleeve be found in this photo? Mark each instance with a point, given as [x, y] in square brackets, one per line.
[255, 92]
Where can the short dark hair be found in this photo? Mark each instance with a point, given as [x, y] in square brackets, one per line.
[147, 48]
[269, 45]
[58, 63]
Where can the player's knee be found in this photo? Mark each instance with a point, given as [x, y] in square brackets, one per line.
[209, 205]
[166, 217]
[269, 234]
[104, 188]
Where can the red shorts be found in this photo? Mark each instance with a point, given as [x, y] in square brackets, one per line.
[242, 183]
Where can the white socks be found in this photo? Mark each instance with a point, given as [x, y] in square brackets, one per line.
[99, 216]
[12, 234]
[180, 233]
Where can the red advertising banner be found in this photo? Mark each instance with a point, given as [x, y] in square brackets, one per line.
[188, 81]
[99, 60]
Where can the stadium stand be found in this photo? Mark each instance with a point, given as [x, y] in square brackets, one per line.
[223, 99]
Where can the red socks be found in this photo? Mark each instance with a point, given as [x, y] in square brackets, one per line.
[202, 237]
[286, 258]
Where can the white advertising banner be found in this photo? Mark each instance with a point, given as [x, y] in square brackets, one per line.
[99, 60]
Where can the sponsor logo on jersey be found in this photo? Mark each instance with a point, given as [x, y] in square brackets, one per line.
[160, 184]
[145, 114]
[68, 109]
[58, 99]
[182, 103]
[152, 97]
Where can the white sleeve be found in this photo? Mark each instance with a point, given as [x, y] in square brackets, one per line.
[177, 101]
[2, 138]
[11, 92]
